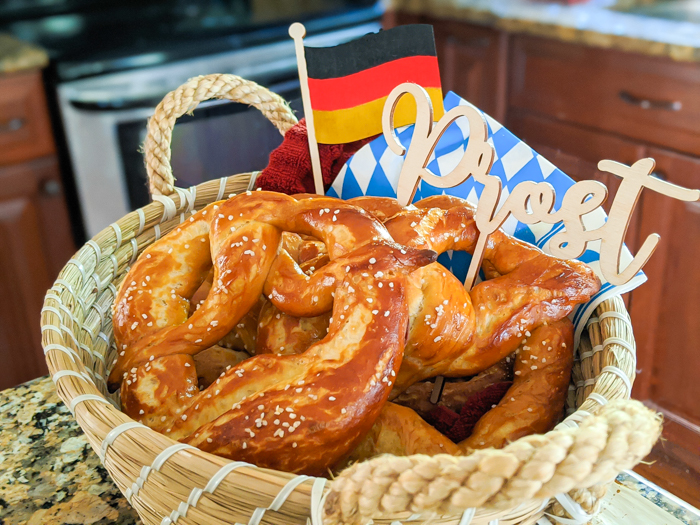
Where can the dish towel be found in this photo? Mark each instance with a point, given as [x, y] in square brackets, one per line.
[289, 170]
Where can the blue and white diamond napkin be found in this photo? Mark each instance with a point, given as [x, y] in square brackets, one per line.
[374, 170]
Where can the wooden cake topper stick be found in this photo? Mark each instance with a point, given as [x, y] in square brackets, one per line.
[476, 161]
[529, 202]
[634, 179]
[297, 31]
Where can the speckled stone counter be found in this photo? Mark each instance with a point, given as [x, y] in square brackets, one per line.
[18, 56]
[49, 475]
[588, 23]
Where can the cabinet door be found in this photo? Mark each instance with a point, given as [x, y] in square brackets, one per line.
[35, 241]
[473, 64]
[665, 313]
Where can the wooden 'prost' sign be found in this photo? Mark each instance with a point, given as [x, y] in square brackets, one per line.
[529, 202]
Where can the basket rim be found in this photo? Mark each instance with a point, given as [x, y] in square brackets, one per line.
[76, 324]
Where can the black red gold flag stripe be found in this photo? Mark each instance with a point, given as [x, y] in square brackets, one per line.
[349, 83]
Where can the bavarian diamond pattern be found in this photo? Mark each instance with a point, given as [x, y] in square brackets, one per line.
[375, 169]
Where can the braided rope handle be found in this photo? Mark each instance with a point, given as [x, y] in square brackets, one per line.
[184, 100]
[531, 468]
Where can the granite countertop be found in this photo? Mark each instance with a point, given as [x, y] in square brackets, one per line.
[49, 474]
[590, 23]
[16, 55]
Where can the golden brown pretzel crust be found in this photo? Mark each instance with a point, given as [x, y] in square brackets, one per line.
[442, 325]
[401, 432]
[533, 288]
[283, 334]
[163, 270]
[299, 413]
[383, 208]
[535, 401]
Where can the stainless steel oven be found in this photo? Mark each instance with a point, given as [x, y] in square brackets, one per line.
[104, 119]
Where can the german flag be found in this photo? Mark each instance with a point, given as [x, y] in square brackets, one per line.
[349, 83]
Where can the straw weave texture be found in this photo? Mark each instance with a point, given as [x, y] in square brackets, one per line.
[170, 483]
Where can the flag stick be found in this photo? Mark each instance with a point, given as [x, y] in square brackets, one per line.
[297, 31]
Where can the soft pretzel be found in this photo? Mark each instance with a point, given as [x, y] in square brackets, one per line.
[377, 290]
[299, 413]
[532, 288]
[452, 332]
[535, 401]
[245, 233]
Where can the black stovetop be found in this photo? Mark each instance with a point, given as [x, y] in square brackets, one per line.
[89, 37]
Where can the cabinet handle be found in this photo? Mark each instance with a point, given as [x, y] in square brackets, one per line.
[51, 187]
[645, 103]
[12, 125]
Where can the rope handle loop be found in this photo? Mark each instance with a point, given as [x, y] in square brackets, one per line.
[617, 437]
[184, 100]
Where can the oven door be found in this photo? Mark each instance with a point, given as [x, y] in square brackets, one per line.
[219, 139]
[104, 119]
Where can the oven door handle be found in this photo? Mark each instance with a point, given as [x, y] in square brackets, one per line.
[115, 104]
[278, 80]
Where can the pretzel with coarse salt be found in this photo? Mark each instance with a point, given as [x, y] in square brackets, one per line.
[453, 332]
[245, 232]
[535, 401]
[298, 413]
[530, 289]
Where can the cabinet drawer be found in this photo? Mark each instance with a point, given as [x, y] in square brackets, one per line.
[650, 99]
[25, 131]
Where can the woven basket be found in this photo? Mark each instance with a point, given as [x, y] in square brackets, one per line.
[563, 472]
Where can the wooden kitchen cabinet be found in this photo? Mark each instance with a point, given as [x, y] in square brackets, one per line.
[473, 64]
[665, 314]
[25, 129]
[652, 100]
[35, 234]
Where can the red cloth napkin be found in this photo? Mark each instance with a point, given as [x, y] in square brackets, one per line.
[458, 427]
[289, 170]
